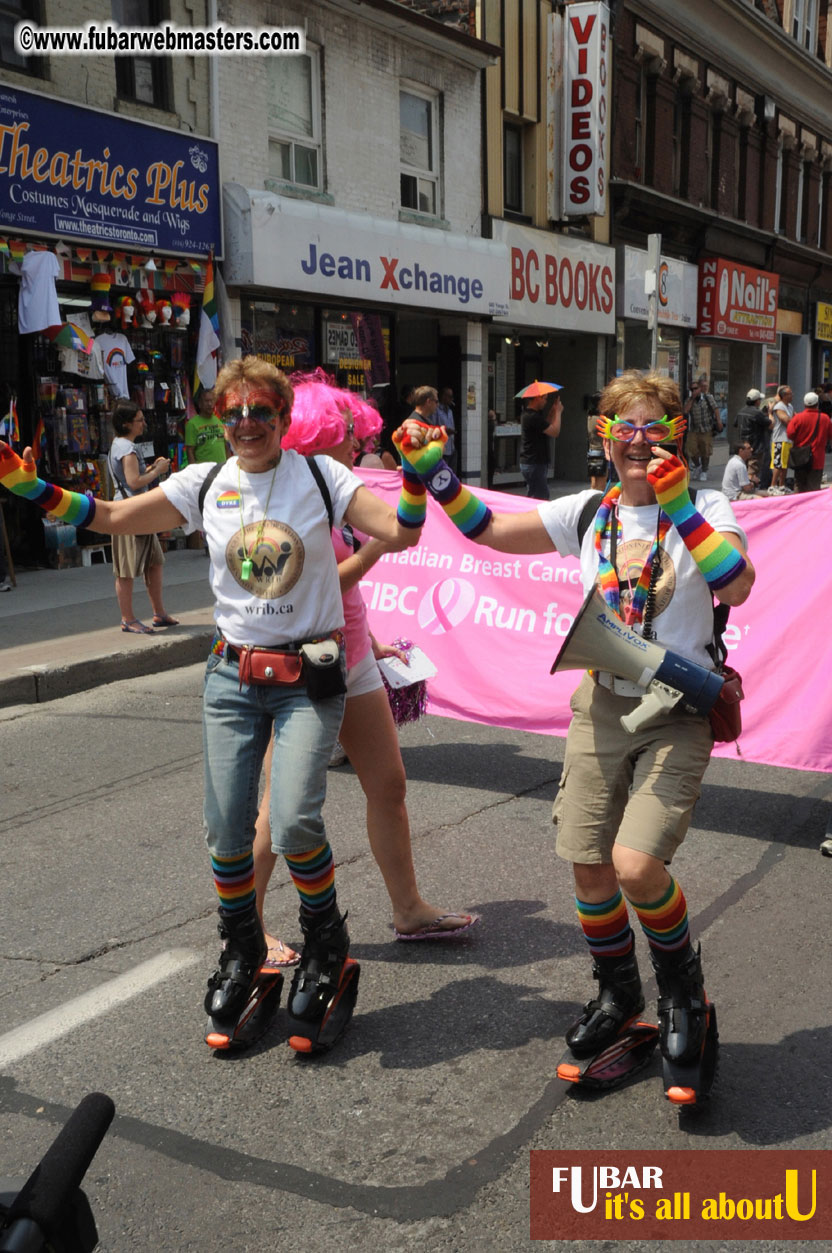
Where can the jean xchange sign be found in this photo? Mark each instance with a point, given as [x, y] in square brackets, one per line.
[72, 172]
[400, 280]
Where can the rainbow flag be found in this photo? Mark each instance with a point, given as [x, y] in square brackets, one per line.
[209, 332]
[38, 438]
[14, 423]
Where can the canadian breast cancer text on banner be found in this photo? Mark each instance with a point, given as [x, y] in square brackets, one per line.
[493, 624]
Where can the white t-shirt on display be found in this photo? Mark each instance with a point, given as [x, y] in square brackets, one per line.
[683, 620]
[116, 355]
[37, 302]
[735, 478]
[292, 592]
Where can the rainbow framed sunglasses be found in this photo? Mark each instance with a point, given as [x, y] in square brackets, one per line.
[661, 431]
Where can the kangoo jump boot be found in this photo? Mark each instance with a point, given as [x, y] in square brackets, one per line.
[619, 1000]
[244, 950]
[324, 985]
[683, 1007]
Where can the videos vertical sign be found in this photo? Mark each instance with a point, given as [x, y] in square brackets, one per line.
[586, 65]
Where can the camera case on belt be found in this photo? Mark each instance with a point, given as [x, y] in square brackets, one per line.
[322, 669]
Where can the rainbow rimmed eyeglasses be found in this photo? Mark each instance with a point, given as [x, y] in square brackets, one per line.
[658, 432]
[258, 413]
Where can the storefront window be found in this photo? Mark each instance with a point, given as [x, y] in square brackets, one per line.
[283, 334]
[356, 348]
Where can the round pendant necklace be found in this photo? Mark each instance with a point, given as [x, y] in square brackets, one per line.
[246, 568]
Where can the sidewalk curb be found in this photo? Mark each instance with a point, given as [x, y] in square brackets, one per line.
[39, 683]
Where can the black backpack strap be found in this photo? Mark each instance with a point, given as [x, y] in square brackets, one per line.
[206, 483]
[588, 515]
[322, 488]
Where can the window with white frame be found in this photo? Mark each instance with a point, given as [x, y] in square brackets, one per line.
[295, 119]
[419, 150]
[805, 23]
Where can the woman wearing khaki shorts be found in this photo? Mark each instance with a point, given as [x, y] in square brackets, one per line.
[626, 800]
[135, 555]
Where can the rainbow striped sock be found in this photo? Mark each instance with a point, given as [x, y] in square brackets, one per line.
[665, 921]
[606, 926]
[413, 501]
[234, 880]
[719, 561]
[313, 874]
[22, 479]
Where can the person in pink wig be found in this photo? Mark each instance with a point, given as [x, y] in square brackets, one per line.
[328, 421]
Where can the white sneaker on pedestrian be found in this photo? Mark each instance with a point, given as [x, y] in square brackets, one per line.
[5, 586]
[703, 476]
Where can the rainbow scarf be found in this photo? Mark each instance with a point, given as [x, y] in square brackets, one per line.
[607, 574]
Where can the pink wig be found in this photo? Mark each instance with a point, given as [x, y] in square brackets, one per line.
[320, 414]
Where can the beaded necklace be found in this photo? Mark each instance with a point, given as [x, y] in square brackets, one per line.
[246, 568]
[607, 573]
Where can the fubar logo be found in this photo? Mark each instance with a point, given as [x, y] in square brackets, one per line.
[687, 1194]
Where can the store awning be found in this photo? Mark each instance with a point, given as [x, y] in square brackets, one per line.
[277, 243]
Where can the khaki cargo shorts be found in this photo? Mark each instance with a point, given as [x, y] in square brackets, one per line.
[699, 444]
[618, 788]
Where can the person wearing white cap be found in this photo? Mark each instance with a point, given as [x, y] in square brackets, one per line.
[754, 427]
[809, 431]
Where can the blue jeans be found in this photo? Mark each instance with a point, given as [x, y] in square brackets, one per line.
[236, 724]
[536, 477]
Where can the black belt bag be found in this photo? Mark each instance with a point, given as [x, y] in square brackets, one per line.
[322, 670]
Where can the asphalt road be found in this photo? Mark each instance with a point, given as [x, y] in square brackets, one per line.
[415, 1132]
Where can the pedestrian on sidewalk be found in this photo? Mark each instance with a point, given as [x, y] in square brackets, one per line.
[809, 431]
[277, 659]
[703, 423]
[136, 556]
[753, 424]
[781, 412]
[626, 800]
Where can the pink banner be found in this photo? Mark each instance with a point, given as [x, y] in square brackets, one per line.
[493, 624]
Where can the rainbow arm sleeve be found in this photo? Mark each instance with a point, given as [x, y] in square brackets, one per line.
[21, 478]
[718, 560]
[413, 501]
[468, 513]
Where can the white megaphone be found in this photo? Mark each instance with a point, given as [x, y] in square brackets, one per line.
[601, 640]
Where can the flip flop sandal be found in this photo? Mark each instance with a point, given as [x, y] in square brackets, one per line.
[280, 957]
[435, 930]
[166, 621]
[136, 628]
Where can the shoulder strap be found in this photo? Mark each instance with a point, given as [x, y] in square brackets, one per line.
[322, 488]
[206, 483]
[587, 515]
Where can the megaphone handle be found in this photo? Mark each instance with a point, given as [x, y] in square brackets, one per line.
[658, 699]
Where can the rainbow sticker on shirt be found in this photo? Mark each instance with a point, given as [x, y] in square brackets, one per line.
[229, 499]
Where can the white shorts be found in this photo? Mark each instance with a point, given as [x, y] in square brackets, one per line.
[364, 676]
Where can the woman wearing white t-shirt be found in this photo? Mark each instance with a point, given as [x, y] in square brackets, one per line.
[276, 667]
[626, 798]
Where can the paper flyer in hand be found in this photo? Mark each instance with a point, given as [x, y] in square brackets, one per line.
[398, 674]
